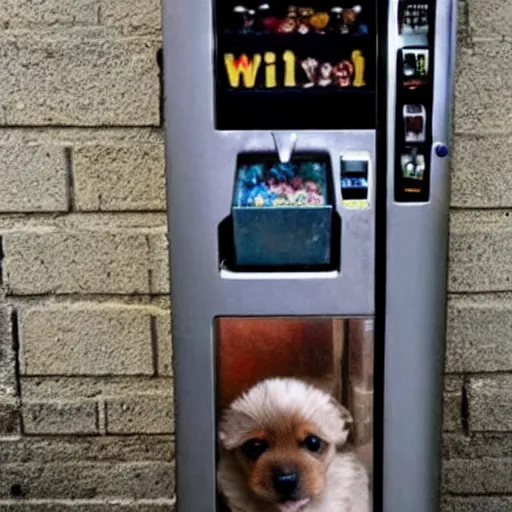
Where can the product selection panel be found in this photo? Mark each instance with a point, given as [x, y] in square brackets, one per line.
[414, 97]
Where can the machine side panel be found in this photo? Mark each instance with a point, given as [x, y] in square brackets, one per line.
[417, 235]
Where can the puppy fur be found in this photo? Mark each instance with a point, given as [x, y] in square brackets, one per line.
[283, 414]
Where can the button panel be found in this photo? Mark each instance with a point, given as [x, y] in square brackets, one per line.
[355, 180]
[414, 96]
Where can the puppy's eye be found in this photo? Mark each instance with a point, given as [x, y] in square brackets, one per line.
[254, 448]
[312, 443]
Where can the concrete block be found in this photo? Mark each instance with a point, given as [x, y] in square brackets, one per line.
[132, 16]
[478, 334]
[159, 252]
[483, 98]
[79, 82]
[164, 337]
[160, 505]
[452, 403]
[27, 14]
[140, 414]
[101, 222]
[40, 389]
[60, 418]
[8, 384]
[490, 403]
[82, 481]
[70, 136]
[86, 339]
[9, 417]
[9, 399]
[462, 17]
[110, 178]
[78, 261]
[472, 187]
[480, 248]
[477, 445]
[489, 18]
[34, 179]
[476, 503]
[154, 448]
[472, 476]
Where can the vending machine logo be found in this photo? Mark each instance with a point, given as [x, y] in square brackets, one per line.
[244, 70]
[262, 69]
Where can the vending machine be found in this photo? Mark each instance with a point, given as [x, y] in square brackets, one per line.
[308, 192]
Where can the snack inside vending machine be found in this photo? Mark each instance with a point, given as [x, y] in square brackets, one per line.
[307, 168]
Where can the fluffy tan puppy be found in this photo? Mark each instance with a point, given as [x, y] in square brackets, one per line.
[283, 448]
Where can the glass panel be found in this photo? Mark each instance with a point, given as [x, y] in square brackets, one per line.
[288, 65]
[336, 356]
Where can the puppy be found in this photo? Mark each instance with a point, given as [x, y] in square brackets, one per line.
[283, 449]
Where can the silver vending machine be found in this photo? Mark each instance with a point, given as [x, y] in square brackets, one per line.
[308, 193]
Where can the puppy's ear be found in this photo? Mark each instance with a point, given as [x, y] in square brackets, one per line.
[234, 429]
[343, 422]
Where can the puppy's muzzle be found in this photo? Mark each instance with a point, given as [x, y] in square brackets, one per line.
[286, 483]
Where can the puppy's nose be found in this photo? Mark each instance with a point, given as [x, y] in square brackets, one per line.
[285, 482]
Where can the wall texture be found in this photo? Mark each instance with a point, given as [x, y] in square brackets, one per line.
[85, 388]
[85, 380]
[478, 386]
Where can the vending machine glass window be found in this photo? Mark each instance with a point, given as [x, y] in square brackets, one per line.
[282, 65]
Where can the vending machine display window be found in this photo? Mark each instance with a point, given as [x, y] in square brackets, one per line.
[284, 66]
[282, 214]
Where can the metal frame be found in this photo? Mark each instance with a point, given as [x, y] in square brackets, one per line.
[417, 239]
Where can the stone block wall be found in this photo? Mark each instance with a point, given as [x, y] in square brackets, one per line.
[86, 415]
[477, 444]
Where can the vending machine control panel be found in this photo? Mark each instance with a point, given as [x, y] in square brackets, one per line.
[308, 220]
[414, 96]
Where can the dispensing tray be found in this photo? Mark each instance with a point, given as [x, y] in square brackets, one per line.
[284, 237]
